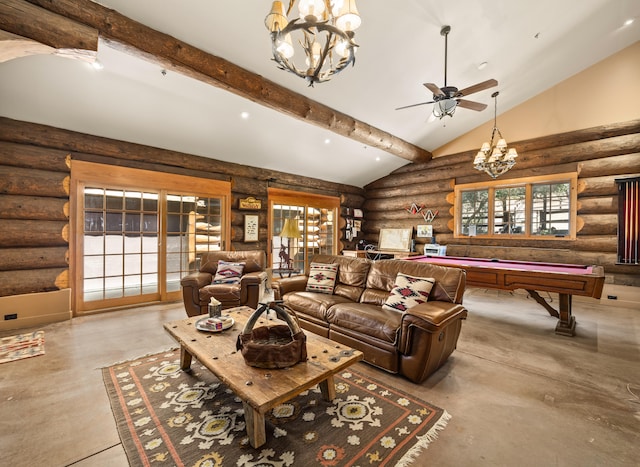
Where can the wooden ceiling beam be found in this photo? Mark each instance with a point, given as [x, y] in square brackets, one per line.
[142, 41]
[46, 27]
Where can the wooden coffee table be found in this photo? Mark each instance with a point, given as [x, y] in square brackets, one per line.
[260, 390]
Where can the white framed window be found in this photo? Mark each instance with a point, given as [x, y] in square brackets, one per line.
[541, 207]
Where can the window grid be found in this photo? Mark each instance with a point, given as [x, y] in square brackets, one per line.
[535, 207]
[121, 248]
[120, 243]
[317, 231]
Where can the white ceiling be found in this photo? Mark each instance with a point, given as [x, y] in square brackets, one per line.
[529, 45]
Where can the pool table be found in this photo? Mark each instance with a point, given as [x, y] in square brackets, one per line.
[564, 279]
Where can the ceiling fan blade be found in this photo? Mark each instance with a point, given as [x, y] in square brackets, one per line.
[414, 105]
[434, 89]
[471, 105]
[478, 87]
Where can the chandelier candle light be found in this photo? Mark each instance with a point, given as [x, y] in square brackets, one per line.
[325, 32]
[495, 158]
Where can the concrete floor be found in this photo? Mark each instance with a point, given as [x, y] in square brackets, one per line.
[519, 394]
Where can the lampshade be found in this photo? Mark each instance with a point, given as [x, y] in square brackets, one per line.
[348, 18]
[290, 229]
[313, 8]
[276, 19]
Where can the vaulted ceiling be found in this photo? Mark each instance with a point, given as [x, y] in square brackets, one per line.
[528, 46]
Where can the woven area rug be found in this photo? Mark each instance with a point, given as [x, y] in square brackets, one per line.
[168, 417]
[21, 346]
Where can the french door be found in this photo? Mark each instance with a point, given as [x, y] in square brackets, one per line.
[137, 233]
[301, 226]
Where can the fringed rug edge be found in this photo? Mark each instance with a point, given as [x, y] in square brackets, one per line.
[424, 441]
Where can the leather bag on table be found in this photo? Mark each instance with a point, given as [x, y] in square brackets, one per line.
[278, 346]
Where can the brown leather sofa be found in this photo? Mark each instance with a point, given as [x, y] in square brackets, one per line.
[197, 288]
[414, 343]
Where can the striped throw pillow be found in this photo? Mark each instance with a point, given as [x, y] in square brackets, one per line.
[228, 273]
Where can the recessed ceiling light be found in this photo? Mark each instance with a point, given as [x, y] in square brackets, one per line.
[244, 115]
[327, 141]
[378, 159]
[629, 22]
[97, 64]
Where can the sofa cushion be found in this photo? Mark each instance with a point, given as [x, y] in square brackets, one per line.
[322, 278]
[352, 271]
[366, 319]
[254, 260]
[228, 273]
[312, 303]
[225, 293]
[449, 285]
[352, 274]
[408, 292]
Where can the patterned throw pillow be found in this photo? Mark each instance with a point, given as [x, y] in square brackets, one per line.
[228, 273]
[408, 291]
[322, 278]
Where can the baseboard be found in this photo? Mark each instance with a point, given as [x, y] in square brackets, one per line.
[621, 296]
[28, 310]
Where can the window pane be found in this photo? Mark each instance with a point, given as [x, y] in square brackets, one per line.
[94, 198]
[551, 209]
[93, 266]
[475, 212]
[133, 201]
[150, 202]
[509, 210]
[93, 222]
[150, 283]
[115, 199]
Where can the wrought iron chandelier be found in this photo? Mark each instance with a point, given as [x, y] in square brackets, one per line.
[495, 158]
[324, 30]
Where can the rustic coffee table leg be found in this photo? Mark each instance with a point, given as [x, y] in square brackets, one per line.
[255, 426]
[328, 389]
[185, 359]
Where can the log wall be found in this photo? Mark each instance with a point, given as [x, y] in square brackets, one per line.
[35, 165]
[599, 155]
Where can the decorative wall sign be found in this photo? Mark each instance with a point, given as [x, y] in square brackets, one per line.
[251, 228]
[250, 203]
[428, 215]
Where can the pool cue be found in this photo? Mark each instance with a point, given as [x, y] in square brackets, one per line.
[637, 213]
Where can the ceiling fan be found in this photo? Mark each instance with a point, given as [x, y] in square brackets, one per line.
[447, 98]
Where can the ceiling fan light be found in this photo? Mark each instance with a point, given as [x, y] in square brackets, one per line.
[445, 107]
[276, 20]
[348, 19]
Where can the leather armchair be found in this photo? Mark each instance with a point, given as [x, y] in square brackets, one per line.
[197, 288]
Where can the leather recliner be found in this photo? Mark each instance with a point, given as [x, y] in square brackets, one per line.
[197, 287]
